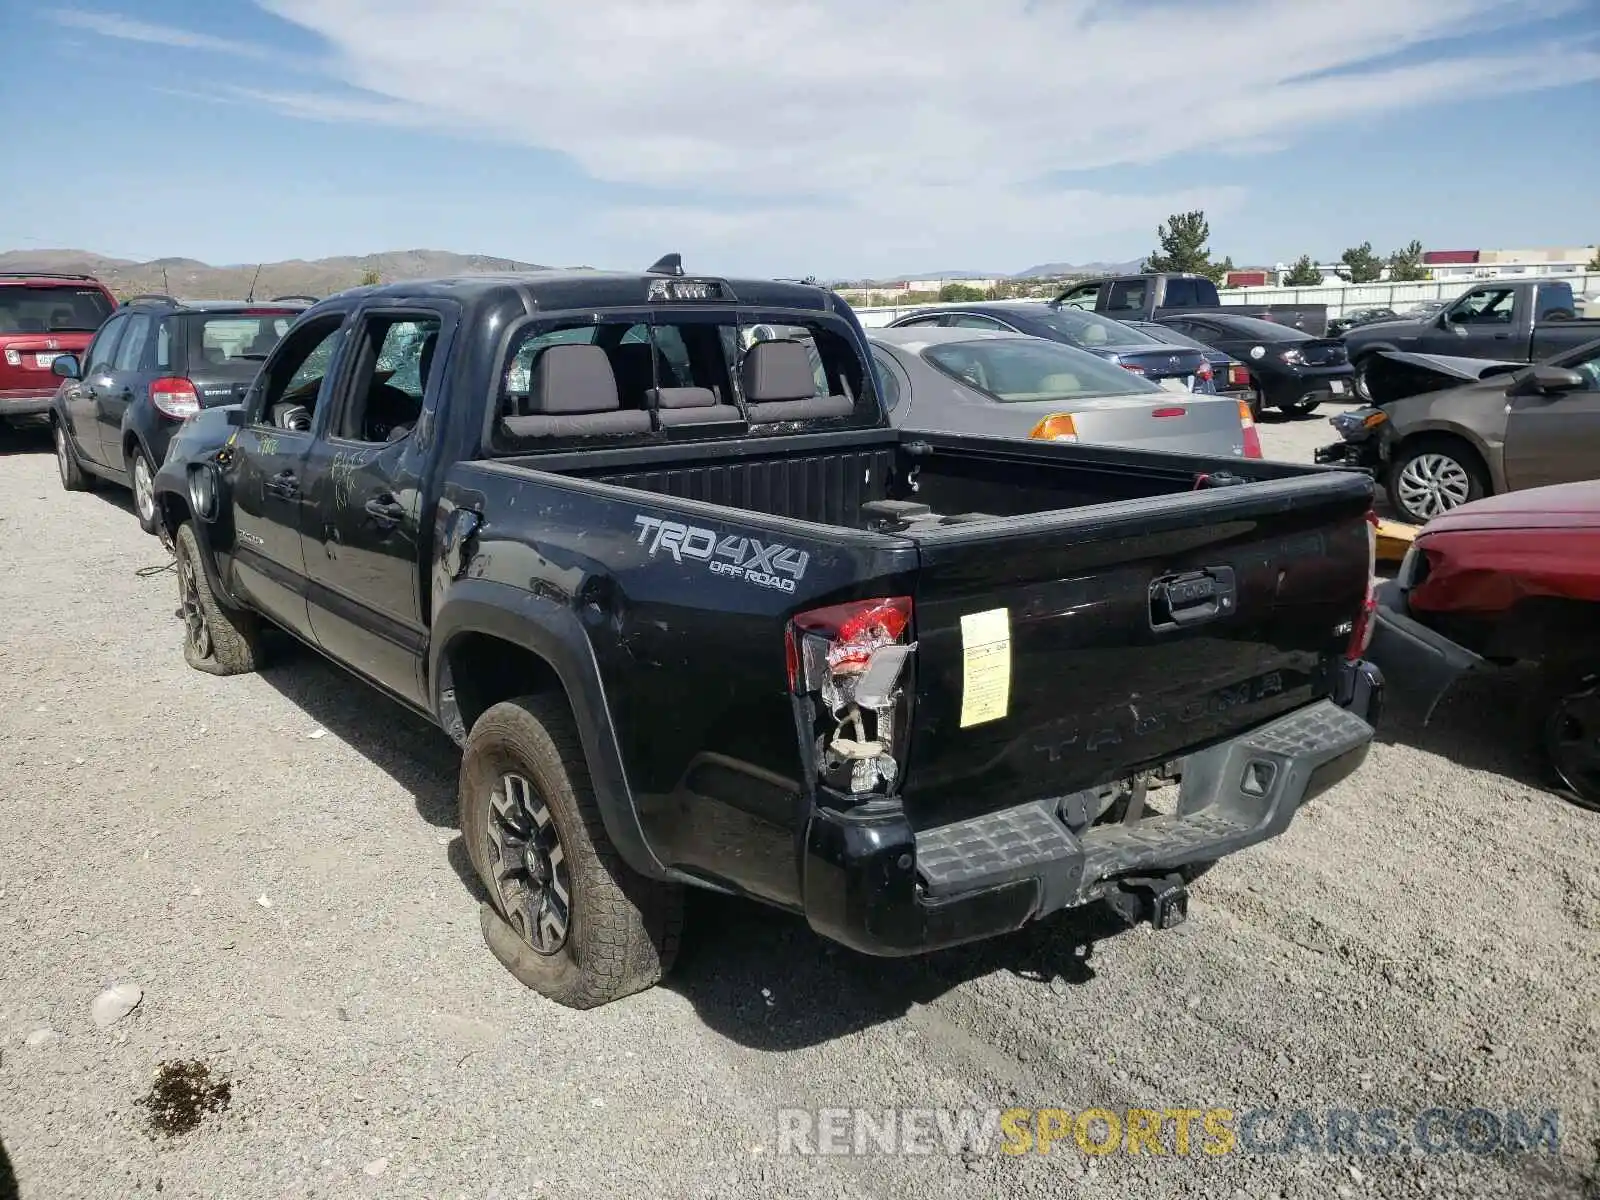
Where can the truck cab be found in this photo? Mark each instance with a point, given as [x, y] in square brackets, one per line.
[1154, 294]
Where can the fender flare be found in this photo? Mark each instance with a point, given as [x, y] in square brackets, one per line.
[554, 633]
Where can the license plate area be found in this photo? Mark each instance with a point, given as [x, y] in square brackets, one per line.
[47, 360]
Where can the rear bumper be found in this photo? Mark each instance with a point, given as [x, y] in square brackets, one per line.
[878, 886]
[26, 402]
[1427, 662]
[1330, 384]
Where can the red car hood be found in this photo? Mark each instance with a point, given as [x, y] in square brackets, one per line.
[1563, 506]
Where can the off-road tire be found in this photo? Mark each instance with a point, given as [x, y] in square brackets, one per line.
[233, 643]
[73, 477]
[624, 929]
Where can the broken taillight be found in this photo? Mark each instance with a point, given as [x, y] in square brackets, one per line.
[847, 666]
[1361, 631]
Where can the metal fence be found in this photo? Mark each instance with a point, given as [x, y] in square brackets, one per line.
[1339, 299]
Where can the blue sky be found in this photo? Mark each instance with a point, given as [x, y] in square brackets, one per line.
[811, 136]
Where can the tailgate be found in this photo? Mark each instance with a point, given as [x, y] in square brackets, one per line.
[1062, 650]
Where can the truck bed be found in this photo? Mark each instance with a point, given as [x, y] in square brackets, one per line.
[1101, 682]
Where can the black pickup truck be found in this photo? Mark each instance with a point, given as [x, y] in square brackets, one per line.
[1510, 321]
[1153, 295]
[699, 616]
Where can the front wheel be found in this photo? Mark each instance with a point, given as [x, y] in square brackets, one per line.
[1432, 477]
[216, 639]
[570, 919]
[144, 489]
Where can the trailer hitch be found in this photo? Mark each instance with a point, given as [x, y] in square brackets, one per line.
[1163, 900]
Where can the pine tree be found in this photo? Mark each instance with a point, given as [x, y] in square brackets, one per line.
[1304, 273]
[1405, 264]
[1183, 246]
[1365, 266]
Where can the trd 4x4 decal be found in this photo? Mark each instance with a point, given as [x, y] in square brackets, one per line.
[764, 564]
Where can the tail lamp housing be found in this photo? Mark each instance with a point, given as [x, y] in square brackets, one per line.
[848, 665]
[175, 397]
[1247, 426]
[1058, 427]
[1361, 630]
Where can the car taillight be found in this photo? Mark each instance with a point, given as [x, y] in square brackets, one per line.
[1058, 427]
[1361, 631]
[1134, 367]
[13, 357]
[1247, 426]
[1168, 412]
[1204, 374]
[175, 397]
[846, 665]
[1238, 376]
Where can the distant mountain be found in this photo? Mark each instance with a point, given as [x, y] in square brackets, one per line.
[1094, 268]
[195, 280]
[1042, 270]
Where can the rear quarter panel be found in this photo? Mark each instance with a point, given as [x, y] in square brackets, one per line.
[686, 630]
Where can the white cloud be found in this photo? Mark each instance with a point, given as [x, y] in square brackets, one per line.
[922, 124]
[129, 30]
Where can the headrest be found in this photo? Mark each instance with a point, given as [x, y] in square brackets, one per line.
[778, 370]
[573, 379]
[683, 397]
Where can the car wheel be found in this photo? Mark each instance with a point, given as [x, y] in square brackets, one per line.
[1358, 381]
[1572, 740]
[216, 639]
[1432, 477]
[1300, 408]
[144, 489]
[73, 477]
[569, 918]
[1257, 402]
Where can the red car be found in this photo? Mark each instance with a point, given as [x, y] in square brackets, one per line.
[1511, 578]
[43, 315]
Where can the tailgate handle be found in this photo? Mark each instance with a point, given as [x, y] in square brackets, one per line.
[1192, 598]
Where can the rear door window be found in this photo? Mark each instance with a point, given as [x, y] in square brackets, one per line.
[974, 321]
[1126, 295]
[130, 353]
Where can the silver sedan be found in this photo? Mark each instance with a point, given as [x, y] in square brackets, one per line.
[1012, 385]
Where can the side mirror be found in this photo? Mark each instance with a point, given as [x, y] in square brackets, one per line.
[1545, 380]
[66, 367]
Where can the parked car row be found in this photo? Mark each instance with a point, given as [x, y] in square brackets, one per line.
[653, 552]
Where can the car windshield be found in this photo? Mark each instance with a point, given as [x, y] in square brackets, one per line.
[1266, 331]
[1091, 329]
[34, 309]
[1017, 370]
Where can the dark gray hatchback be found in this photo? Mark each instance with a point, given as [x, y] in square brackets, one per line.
[153, 363]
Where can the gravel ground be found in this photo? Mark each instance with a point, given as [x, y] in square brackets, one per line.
[272, 861]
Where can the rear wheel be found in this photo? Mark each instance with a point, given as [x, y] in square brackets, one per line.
[1302, 407]
[144, 489]
[570, 919]
[1434, 475]
[1359, 382]
[73, 477]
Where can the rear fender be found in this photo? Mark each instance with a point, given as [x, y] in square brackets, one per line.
[553, 633]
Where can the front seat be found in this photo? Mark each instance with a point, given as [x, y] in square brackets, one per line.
[408, 419]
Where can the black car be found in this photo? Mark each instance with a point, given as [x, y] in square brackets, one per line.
[1360, 316]
[1290, 370]
[154, 362]
[1229, 376]
[1155, 359]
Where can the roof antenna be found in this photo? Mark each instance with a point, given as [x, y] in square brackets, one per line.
[667, 264]
[253, 279]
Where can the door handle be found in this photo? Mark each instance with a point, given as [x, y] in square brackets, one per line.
[283, 485]
[385, 510]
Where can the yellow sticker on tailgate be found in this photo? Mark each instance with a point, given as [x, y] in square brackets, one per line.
[985, 666]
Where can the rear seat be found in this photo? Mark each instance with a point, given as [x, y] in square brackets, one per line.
[779, 386]
[573, 393]
[691, 406]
